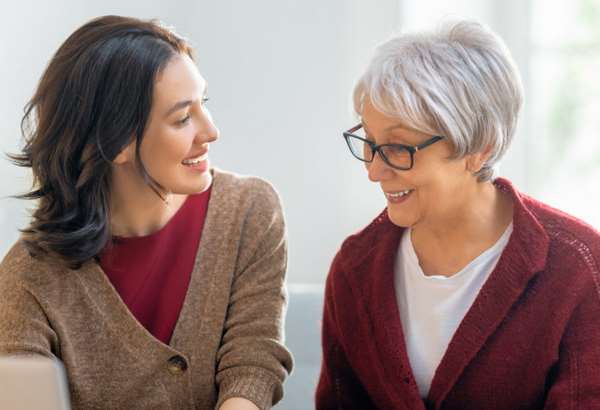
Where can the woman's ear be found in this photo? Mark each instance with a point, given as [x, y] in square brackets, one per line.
[126, 155]
[476, 161]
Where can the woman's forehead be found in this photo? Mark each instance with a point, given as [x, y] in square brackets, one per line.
[180, 79]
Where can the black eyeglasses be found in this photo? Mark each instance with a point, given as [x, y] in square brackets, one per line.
[398, 156]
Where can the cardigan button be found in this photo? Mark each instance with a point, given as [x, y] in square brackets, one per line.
[177, 365]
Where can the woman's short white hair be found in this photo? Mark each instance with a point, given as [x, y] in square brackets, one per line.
[459, 81]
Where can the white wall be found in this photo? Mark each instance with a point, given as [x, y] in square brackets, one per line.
[280, 75]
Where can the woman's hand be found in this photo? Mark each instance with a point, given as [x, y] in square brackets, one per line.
[238, 403]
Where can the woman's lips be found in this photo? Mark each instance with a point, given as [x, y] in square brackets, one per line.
[196, 158]
[396, 197]
[201, 166]
[198, 163]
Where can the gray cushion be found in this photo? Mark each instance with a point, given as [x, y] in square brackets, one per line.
[303, 338]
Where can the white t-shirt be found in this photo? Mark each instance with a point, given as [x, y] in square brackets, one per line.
[432, 307]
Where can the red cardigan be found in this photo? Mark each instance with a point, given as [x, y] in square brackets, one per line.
[531, 339]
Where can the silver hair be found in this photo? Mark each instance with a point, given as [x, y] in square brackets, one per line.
[459, 81]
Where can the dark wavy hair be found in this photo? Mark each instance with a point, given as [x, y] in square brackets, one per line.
[93, 100]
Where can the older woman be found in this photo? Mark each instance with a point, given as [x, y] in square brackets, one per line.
[463, 293]
[156, 279]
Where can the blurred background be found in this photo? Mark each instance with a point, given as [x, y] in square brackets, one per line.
[280, 77]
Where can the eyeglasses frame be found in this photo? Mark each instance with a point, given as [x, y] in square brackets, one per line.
[375, 148]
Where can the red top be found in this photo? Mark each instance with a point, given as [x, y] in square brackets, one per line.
[152, 273]
[529, 341]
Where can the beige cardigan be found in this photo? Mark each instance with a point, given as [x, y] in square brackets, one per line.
[227, 341]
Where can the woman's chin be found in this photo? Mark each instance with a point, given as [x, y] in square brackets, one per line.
[400, 219]
[204, 182]
[196, 185]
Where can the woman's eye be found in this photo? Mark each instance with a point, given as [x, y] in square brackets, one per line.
[184, 120]
[204, 100]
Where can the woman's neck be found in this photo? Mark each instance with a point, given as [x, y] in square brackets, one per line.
[447, 245]
[136, 210]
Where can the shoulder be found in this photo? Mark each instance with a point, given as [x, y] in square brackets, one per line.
[360, 244]
[359, 248]
[40, 274]
[571, 239]
[251, 188]
[20, 265]
[227, 181]
[250, 203]
[554, 220]
[251, 210]
[572, 260]
[572, 268]
[569, 245]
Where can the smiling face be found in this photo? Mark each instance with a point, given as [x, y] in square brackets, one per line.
[174, 149]
[434, 190]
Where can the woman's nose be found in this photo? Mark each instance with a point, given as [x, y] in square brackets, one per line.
[378, 170]
[208, 131]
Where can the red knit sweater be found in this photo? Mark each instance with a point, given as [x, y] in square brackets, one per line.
[531, 339]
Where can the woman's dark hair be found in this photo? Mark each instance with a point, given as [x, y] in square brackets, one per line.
[92, 101]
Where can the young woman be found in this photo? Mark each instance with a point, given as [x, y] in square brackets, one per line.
[157, 280]
[464, 293]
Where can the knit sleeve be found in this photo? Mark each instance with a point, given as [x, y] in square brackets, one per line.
[252, 360]
[24, 327]
[338, 387]
[576, 380]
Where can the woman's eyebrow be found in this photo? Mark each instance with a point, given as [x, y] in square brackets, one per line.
[388, 129]
[178, 106]
[182, 104]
